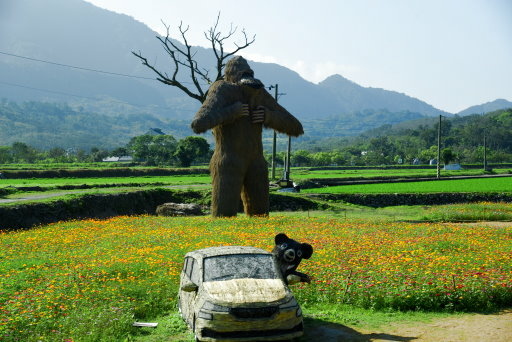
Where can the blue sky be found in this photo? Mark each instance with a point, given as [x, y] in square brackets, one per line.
[450, 53]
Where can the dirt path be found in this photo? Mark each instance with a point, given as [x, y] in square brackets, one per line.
[37, 196]
[495, 224]
[43, 195]
[464, 328]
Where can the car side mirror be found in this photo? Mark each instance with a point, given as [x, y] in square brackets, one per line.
[189, 286]
[292, 279]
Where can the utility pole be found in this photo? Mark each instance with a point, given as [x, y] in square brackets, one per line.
[439, 148]
[288, 160]
[485, 151]
[485, 144]
[273, 172]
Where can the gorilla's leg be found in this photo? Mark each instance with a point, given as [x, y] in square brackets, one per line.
[226, 187]
[255, 189]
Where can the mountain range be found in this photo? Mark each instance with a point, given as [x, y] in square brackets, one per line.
[69, 51]
[486, 107]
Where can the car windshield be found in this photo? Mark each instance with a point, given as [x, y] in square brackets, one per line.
[236, 266]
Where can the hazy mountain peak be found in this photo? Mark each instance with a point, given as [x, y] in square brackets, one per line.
[353, 98]
[486, 107]
[337, 79]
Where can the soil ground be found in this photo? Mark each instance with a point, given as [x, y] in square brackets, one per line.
[463, 328]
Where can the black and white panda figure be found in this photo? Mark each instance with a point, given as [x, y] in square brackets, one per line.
[289, 253]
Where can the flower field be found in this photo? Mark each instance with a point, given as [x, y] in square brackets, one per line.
[89, 280]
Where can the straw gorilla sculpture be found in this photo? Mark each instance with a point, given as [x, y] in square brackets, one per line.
[236, 108]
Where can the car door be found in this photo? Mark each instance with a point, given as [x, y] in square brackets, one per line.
[187, 299]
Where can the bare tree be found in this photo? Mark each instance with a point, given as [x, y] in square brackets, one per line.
[184, 57]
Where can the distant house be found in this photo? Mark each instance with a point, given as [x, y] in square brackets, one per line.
[122, 159]
[154, 131]
[126, 159]
[453, 167]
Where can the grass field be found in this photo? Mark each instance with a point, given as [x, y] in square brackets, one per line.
[51, 189]
[50, 184]
[73, 166]
[60, 166]
[500, 184]
[469, 212]
[89, 280]
[162, 180]
[299, 173]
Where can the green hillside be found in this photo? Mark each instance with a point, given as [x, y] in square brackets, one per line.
[47, 125]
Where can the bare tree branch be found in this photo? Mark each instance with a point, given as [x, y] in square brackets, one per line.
[183, 56]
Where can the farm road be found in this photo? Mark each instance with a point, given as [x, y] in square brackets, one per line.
[34, 197]
[463, 328]
[39, 196]
[341, 181]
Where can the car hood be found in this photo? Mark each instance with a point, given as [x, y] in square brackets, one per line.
[246, 290]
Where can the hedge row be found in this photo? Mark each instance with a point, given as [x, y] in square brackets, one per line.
[92, 206]
[321, 182]
[280, 202]
[84, 173]
[80, 186]
[7, 191]
[145, 202]
[24, 216]
[400, 167]
[386, 200]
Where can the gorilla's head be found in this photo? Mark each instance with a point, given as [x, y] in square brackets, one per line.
[239, 72]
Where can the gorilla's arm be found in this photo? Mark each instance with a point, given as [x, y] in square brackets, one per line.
[218, 108]
[278, 118]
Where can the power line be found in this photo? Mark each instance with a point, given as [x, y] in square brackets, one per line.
[82, 68]
[75, 67]
[81, 96]
[46, 90]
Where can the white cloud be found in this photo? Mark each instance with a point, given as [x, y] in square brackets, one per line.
[256, 57]
[317, 72]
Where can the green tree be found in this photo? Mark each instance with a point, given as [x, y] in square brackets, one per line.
[428, 154]
[22, 152]
[162, 149]
[57, 154]
[81, 156]
[321, 159]
[301, 158]
[119, 152]
[139, 147]
[98, 155]
[338, 158]
[447, 155]
[191, 149]
[5, 155]
[153, 149]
